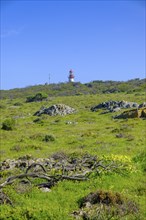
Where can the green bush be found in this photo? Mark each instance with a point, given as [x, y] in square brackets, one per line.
[18, 104]
[38, 97]
[48, 138]
[38, 121]
[141, 159]
[2, 106]
[8, 124]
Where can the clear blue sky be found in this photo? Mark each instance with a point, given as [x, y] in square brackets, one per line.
[99, 40]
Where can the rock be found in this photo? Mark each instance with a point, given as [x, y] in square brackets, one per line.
[128, 114]
[71, 122]
[45, 189]
[143, 113]
[134, 113]
[114, 106]
[117, 109]
[135, 105]
[119, 135]
[88, 205]
[59, 109]
[8, 164]
[142, 105]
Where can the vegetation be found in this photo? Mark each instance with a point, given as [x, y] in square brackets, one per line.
[106, 205]
[8, 124]
[38, 97]
[40, 92]
[114, 190]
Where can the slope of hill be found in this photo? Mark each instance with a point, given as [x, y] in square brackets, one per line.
[84, 165]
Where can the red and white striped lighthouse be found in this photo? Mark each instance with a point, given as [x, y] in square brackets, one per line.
[71, 76]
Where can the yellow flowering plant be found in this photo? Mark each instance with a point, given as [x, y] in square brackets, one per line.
[119, 163]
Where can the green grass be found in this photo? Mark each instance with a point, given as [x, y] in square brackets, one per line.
[89, 132]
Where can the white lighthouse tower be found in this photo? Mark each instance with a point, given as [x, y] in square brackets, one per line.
[71, 76]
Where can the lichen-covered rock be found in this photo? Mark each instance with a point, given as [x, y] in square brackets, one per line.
[134, 113]
[58, 109]
[117, 109]
[114, 106]
[143, 113]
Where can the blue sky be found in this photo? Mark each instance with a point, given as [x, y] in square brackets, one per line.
[99, 40]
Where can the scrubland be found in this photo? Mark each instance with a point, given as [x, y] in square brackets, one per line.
[75, 135]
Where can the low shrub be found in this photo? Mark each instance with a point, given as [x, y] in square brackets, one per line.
[8, 124]
[42, 137]
[120, 164]
[18, 104]
[16, 148]
[106, 205]
[141, 159]
[48, 138]
[38, 97]
[59, 155]
[2, 106]
[38, 121]
[37, 136]
[101, 197]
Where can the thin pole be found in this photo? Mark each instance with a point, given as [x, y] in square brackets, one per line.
[49, 78]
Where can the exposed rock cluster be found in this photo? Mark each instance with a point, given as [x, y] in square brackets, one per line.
[142, 105]
[56, 161]
[58, 167]
[134, 113]
[61, 163]
[58, 109]
[114, 106]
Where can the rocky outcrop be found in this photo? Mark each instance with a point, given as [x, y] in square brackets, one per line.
[143, 113]
[58, 167]
[134, 113]
[58, 109]
[142, 105]
[114, 106]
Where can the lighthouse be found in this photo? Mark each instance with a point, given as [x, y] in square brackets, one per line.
[71, 76]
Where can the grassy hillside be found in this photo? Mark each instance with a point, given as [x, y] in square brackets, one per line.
[84, 132]
[77, 88]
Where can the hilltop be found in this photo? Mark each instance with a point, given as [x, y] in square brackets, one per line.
[77, 88]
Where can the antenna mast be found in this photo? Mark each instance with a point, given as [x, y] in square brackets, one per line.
[49, 78]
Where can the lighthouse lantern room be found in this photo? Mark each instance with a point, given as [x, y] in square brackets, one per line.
[71, 76]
